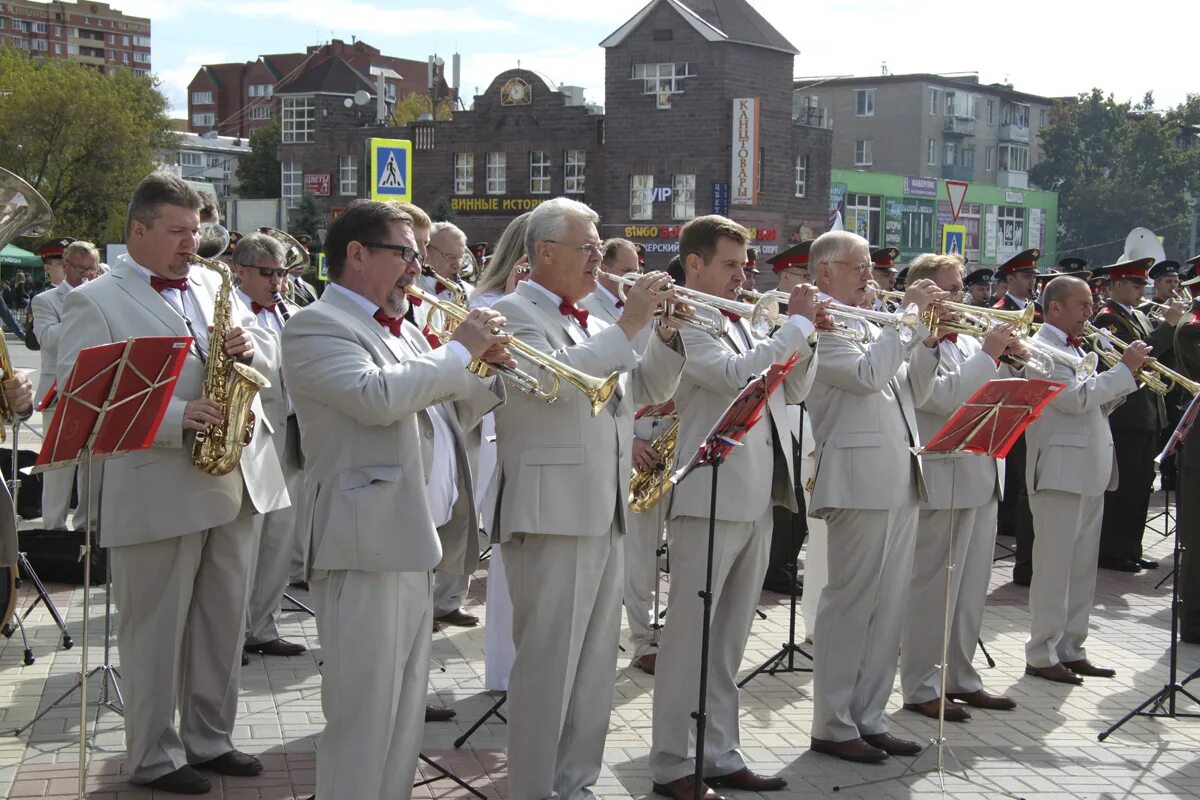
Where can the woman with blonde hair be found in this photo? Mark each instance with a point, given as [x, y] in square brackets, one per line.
[507, 267]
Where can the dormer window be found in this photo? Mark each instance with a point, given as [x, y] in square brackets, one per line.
[663, 80]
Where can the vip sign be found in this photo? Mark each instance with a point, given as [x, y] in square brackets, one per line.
[744, 177]
[661, 193]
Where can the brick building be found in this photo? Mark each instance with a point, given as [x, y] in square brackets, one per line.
[84, 32]
[236, 98]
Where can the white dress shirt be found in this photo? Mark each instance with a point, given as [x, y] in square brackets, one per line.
[185, 304]
[558, 302]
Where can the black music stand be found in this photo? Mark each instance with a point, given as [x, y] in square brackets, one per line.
[988, 424]
[114, 401]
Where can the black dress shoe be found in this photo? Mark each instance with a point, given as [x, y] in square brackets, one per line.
[1022, 579]
[184, 780]
[1085, 667]
[851, 750]
[1146, 563]
[892, 745]
[1057, 673]
[298, 585]
[276, 647]
[234, 762]
[439, 713]
[459, 619]
[1120, 565]
[245, 659]
[747, 781]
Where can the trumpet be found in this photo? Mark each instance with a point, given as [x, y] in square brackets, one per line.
[1042, 358]
[1159, 312]
[1154, 375]
[701, 310]
[904, 322]
[947, 317]
[596, 390]
[766, 316]
[458, 294]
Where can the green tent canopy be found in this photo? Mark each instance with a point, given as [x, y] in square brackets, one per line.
[15, 258]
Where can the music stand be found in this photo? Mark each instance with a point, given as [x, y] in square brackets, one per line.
[742, 415]
[114, 401]
[988, 424]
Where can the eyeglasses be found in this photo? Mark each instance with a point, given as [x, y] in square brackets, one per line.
[862, 267]
[267, 272]
[522, 270]
[592, 250]
[406, 253]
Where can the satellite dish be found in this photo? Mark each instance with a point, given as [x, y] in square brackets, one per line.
[362, 97]
[1142, 243]
[347, 102]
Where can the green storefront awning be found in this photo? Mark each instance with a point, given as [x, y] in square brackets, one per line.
[13, 256]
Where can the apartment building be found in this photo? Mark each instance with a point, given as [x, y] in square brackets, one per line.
[88, 33]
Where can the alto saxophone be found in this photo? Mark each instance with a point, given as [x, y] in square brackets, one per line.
[647, 488]
[232, 386]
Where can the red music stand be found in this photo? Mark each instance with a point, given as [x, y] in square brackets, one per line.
[113, 403]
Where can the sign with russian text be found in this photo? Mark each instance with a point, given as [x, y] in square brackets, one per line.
[391, 169]
[317, 185]
[497, 205]
[920, 187]
[744, 177]
[720, 198]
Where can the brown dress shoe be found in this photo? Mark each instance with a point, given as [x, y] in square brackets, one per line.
[439, 713]
[233, 763]
[850, 750]
[647, 663]
[684, 789]
[892, 745]
[930, 709]
[276, 647]
[184, 780]
[1085, 667]
[1057, 673]
[748, 781]
[459, 619]
[982, 698]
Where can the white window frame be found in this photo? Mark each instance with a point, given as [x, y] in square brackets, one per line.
[801, 189]
[864, 102]
[497, 172]
[950, 154]
[190, 158]
[539, 172]
[348, 176]
[933, 102]
[464, 173]
[141, 58]
[989, 158]
[858, 203]
[574, 171]
[863, 155]
[260, 90]
[299, 119]
[260, 112]
[1012, 158]
[931, 153]
[205, 119]
[291, 181]
[683, 197]
[663, 80]
[202, 98]
[991, 111]
[641, 197]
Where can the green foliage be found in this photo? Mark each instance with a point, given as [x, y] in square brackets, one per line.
[308, 217]
[258, 171]
[410, 107]
[82, 139]
[1117, 167]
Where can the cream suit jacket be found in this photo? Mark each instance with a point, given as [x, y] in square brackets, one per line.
[598, 303]
[1070, 446]
[939, 389]
[158, 493]
[717, 369]
[47, 326]
[358, 392]
[561, 470]
[863, 459]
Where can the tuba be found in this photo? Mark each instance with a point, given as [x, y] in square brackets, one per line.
[23, 212]
[230, 385]
[294, 256]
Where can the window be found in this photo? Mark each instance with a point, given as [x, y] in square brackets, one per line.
[539, 172]
[57, 30]
[863, 217]
[202, 98]
[574, 162]
[348, 176]
[641, 197]
[968, 216]
[215, 161]
[189, 159]
[496, 178]
[916, 226]
[289, 183]
[141, 41]
[683, 197]
[464, 173]
[663, 80]
[141, 58]
[991, 111]
[125, 41]
[72, 49]
[41, 27]
[950, 154]
[801, 175]
[205, 120]
[260, 112]
[1015, 114]
[1042, 117]
[966, 156]
[261, 90]
[1011, 230]
[933, 104]
[141, 73]
[299, 119]
[864, 103]
[862, 153]
[931, 153]
[1013, 158]
[989, 159]
[41, 44]
[58, 48]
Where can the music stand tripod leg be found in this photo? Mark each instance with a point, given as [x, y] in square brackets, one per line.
[445, 774]
[298, 606]
[494, 711]
[43, 596]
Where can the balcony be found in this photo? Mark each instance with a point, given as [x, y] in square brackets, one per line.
[959, 126]
[812, 117]
[1010, 132]
[1012, 179]
[953, 172]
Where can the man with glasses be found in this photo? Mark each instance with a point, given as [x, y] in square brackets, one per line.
[81, 263]
[563, 475]
[444, 255]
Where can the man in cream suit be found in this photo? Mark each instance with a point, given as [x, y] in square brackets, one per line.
[81, 263]
[181, 542]
[563, 478]
[258, 260]
[865, 426]
[645, 529]
[383, 480]
[1069, 466]
[756, 476]
[963, 491]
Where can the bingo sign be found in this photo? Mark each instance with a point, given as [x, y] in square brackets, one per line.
[391, 169]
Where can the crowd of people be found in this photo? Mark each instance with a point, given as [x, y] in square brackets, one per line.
[406, 427]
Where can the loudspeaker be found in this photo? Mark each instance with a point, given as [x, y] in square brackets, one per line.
[55, 556]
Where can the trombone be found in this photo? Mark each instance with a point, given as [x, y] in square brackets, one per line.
[1154, 375]
[702, 310]
[596, 390]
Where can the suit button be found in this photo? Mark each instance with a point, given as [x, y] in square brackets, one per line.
[429, 434]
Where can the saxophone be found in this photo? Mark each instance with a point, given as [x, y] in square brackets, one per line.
[230, 385]
[647, 488]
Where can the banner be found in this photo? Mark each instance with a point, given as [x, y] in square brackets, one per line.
[744, 176]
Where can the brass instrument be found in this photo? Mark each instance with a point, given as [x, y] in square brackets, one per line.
[232, 386]
[596, 390]
[766, 316]
[647, 488]
[1158, 314]
[702, 311]
[23, 212]
[213, 240]
[1154, 375]
[458, 294]
[295, 256]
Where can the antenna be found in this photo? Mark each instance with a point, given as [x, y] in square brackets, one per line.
[884, 67]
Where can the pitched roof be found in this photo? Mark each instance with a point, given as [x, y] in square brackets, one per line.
[733, 21]
[331, 76]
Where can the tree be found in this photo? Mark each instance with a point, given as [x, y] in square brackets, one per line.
[309, 217]
[258, 172]
[1115, 167]
[81, 138]
[410, 108]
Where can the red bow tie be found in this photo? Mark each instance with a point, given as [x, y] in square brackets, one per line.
[158, 283]
[256, 308]
[393, 324]
[414, 301]
[730, 315]
[569, 309]
[439, 287]
[949, 337]
[620, 304]
[1075, 341]
[434, 341]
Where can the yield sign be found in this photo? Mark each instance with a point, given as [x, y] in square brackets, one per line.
[957, 191]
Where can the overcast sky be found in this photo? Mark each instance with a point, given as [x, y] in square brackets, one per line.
[1049, 47]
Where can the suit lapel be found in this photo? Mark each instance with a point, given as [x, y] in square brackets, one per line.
[137, 287]
[396, 347]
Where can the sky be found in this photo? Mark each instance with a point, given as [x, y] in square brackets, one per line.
[1051, 47]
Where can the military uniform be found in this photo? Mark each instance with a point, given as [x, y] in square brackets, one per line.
[1187, 352]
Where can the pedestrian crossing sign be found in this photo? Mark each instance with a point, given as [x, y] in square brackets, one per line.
[391, 169]
[322, 267]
